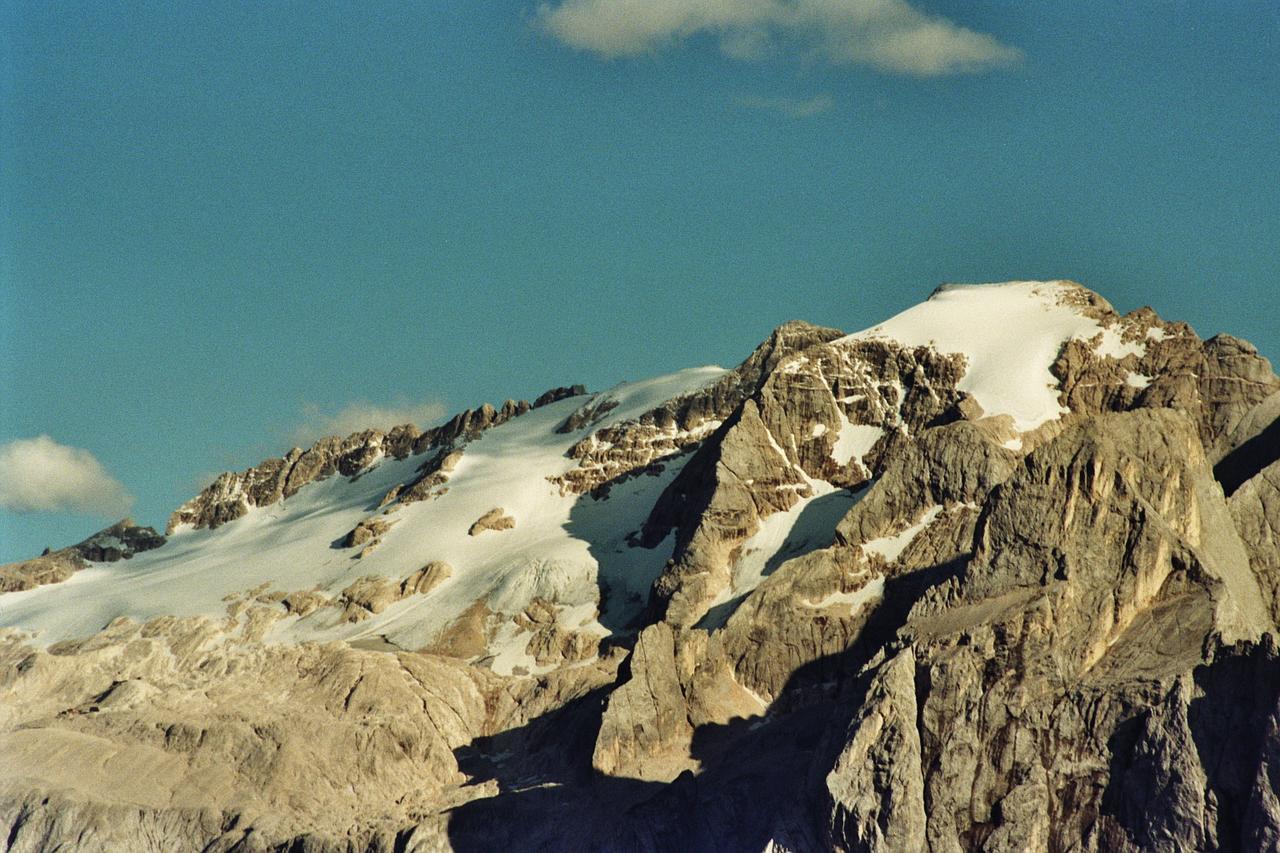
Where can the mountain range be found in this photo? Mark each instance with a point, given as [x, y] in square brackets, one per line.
[999, 573]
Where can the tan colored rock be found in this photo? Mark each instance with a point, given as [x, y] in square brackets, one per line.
[304, 602]
[120, 541]
[427, 578]
[494, 519]
[1255, 510]
[171, 740]
[467, 636]
[54, 567]
[366, 531]
[882, 754]
[645, 729]
[367, 595]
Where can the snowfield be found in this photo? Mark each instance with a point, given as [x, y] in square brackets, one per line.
[1010, 335]
[562, 547]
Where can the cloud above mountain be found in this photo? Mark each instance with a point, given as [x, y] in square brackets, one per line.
[41, 475]
[889, 35]
[361, 415]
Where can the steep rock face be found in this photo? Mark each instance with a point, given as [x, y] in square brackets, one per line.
[1100, 575]
[883, 755]
[1255, 509]
[619, 452]
[1164, 365]
[827, 413]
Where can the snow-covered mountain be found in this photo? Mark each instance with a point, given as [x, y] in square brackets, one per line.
[932, 582]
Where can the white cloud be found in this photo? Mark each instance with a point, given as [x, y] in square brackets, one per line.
[890, 35]
[41, 475]
[358, 416]
[793, 107]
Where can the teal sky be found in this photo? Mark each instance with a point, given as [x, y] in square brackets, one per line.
[226, 226]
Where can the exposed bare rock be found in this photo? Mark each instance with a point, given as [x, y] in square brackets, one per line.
[1253, 445]
[120, 541]
[587, 415]
[467, 636]
[555, 395]
[890, 620]
[427, 578]
[645, 729]
[1255, 509]
[371, 594]
[1218, 381]
[728, 488]
[432, 477]
[882, 754]
[53, 567]
[955, 463]
[368, 530]
[494, 519]
[678, 425]
[232, 494]
[304, 602]
[159, 742]
[554, 644]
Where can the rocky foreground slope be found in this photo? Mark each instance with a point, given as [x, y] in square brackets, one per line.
[1001, 573]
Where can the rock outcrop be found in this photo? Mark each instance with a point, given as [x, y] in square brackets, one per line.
[120, 541]
[494, 519]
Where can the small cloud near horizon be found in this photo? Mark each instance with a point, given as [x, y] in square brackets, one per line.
[891, 36]
[41, 475]
[362, 415]
[793, 107]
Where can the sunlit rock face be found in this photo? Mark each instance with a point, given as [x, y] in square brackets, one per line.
[999, 573]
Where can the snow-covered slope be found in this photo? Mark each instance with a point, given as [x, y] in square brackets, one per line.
[562, 547]
[1009, 333]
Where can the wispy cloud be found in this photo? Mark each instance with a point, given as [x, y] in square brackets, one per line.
[793, 107]
[41, 475]
[889, 35]
[360, 415]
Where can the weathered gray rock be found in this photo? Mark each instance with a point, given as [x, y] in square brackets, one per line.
[232, 494]
[882, 754]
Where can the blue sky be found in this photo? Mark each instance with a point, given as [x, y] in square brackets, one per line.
[229, 226]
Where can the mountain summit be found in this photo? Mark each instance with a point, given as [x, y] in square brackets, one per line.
[999, 573]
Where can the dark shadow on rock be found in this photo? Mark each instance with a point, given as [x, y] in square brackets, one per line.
[1235, 724]
[1241, 464]
[760, 778]
[1234, 720]
[718, 615]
